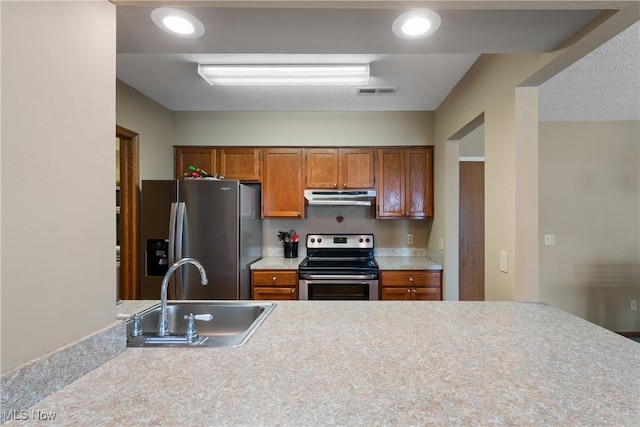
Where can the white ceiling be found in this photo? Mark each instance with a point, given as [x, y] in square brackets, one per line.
[422, 72]
[604, 85]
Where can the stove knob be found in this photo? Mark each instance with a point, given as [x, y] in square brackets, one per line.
[319, 239]
[368, 240]
[361, 240]
[313, 240]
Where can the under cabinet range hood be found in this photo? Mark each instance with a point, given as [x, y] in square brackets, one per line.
[340, 197]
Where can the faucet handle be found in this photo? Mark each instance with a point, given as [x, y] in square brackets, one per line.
[204, 317]
[191, 334]
[136, 331]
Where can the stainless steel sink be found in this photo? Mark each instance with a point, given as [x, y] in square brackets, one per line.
[231, 325]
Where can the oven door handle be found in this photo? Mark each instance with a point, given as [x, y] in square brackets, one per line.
[339, 277]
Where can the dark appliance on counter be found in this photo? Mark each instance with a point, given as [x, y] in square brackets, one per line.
[216, 222]
[339, 267]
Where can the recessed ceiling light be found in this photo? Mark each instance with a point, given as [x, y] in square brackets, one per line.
[416, 24]
[177, 22]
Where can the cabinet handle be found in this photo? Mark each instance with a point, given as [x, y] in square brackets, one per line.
[408, 290]
[335, 185]
[292, 290]
[273, 278]
[344, 185]
[411, 279]
[413, 290]
[299, 214]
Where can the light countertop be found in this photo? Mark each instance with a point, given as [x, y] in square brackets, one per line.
[384, 262]
[314, 363]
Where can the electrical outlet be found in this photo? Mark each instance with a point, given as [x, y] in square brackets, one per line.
[409, 239]
[634, 304]
[503, 261]
[441, 244]
[549, 239]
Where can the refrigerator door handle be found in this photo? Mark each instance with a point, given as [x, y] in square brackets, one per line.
[173, 212]
[180, 226]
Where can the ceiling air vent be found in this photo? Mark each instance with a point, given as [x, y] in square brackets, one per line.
[375, 90]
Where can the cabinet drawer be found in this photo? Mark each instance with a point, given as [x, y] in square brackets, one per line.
[271, 278]
[410, 278]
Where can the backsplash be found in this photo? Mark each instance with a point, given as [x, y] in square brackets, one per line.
[278, 251]
[390, 235]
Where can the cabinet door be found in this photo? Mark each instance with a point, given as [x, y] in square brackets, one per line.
[389, 293]
[357, 168]
[242, 164]
[322, 168]
[283, 183]
[390, 197]
[419, 184]
[426, 294]
[271, 294]
[201, 157]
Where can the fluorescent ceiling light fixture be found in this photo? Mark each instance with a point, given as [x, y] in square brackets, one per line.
[416, 24]
[177, 22]
[285, 74]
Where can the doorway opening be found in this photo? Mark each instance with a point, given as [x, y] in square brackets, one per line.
[128, 221]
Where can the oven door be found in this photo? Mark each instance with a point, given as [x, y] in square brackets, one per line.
[337, 288]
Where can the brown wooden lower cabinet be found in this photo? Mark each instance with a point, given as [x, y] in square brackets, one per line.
[411, 285]
[274, 285]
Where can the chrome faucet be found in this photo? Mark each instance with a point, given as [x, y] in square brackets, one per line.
[163, 324]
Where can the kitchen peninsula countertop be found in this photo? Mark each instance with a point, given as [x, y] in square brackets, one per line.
[314, 363]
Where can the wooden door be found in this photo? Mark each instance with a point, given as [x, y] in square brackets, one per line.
[357, 168]
[391, 183]
[129, 280]
[283, 183]
[471, 229]
[322, 168]
[201, 157]
[242, 164]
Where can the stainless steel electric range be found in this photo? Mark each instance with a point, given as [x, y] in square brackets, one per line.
[339, 267]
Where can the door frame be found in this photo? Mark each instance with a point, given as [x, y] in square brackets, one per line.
[129, 286]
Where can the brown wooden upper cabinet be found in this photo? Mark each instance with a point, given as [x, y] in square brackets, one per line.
[340, 168]
[204, 158]
[242, 164]
[405, 183]
[283, 183]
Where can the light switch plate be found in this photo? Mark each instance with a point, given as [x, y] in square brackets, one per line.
[503, 261]
[549, 239]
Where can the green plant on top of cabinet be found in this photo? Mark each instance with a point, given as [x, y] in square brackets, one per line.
[405, 183]
[283, 183]
[204, 158]
[340, 168]
[242, 164]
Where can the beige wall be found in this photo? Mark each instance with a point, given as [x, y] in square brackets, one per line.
[487, 94]
[58, 164]
[303, 128]
[388, 233]
[153, 123]
[590, 201]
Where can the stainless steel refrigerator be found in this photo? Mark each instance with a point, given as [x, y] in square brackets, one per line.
[216, 222]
